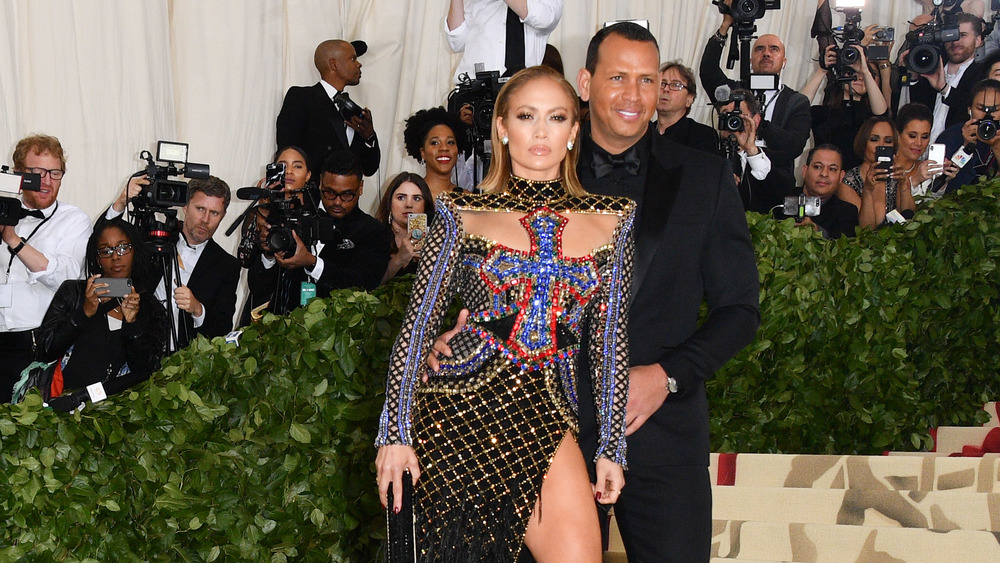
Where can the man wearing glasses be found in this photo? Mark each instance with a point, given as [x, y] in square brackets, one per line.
[43, 250]
[355, 256]
[677, 93]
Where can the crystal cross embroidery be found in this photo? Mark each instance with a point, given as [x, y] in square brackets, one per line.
[547, 278]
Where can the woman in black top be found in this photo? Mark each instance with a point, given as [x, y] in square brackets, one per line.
[117, 341]
[407, 193]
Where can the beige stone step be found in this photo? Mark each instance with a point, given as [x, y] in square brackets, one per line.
[907, 473]
[821, 543]
[935, 510]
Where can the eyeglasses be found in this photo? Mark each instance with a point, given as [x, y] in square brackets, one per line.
[346, 197]
[121, 250]
[43, 172]
[675, 86]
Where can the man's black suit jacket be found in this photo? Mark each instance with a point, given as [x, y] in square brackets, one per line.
[959, 98]
[213, 282]
[308, 119]
[690, 133]
[691, 245]
[786, 133]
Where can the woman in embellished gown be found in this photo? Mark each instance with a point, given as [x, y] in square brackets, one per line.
[543, 266]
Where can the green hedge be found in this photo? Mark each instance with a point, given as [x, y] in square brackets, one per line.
[263, 452]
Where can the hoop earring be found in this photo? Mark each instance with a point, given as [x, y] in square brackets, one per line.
[569, 145]
[504, 140]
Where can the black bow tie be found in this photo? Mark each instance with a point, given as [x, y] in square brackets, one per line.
[603, 163]
[25, 212]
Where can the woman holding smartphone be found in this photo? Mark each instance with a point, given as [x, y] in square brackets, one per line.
[406, 195]
[873, 186]
[917, 172]
[115, 338]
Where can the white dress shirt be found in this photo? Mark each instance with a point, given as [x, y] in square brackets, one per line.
[482, 37]
[760, 164]
[187, 260]
[25, 295]
[941, 108]
[331, 92]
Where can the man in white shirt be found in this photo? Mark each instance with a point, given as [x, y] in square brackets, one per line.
[948, 91]
[504, 35]
[38, 254]
[204, 297]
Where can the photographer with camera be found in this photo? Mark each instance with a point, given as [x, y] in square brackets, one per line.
[42, 250]
[947, 89]
[822, 175]
[948, 7]
[846, 105]
[784, 128]
[204, 297]
[345, 247]
[504, 35]
[761, 185]
[322, 118]
[975, 144]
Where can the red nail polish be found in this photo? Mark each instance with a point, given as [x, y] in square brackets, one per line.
[598, 495]
[396, 510]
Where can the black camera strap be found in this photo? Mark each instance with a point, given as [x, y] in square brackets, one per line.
[27, 238]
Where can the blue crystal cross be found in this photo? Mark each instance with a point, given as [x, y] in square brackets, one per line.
[547, 277]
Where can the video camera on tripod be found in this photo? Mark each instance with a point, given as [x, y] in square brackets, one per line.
[926, 44]
[152, 209]
[745, 13]
[11, 183]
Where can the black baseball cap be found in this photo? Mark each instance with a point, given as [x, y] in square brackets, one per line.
[360, 47]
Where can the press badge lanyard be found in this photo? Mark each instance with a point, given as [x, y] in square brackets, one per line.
[27, 238]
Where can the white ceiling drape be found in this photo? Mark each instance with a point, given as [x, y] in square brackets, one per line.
[110, 77]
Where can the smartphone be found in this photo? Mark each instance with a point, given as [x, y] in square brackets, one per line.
[884, 156]
[935, 153]
[274, 175]
[117, 287]
[802, 206]
[416, 225]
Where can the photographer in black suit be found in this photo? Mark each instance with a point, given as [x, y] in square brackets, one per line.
[204, 298]
[310, 118]
[785, 127]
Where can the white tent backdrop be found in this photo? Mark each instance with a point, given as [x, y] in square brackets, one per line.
[111, 77]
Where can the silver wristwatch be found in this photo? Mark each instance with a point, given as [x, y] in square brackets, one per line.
[671, 385]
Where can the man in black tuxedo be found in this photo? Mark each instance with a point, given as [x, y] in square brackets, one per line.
[692, 245]
[310, 119]
[948, 91]
[787, 119]
[678, 90]
[204, 297]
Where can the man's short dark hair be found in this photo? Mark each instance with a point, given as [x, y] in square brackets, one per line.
[976, 21]
[982, 86]
[343, 163]
[825, 147]
[213, 186]
[753, 104]
[627, 30]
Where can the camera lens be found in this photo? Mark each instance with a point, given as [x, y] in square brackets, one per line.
[848, 55]
[987, 129]
[734, 123]
[923, 59]
[280, 240]
[745, 9]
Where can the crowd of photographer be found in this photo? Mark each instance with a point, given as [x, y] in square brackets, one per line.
[92, 310]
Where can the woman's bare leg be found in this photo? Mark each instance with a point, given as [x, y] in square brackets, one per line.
[564, 526]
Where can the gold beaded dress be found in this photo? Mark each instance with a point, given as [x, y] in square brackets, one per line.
[486, 427]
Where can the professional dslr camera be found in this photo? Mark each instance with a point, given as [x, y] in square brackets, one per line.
[481, 94]
[744, 12]
[731, 121]
[290, 211]
[153, 211]
[10, 184]
[926, 44]
[987, 127]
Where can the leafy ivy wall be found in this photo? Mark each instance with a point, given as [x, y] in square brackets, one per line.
[263, 452]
